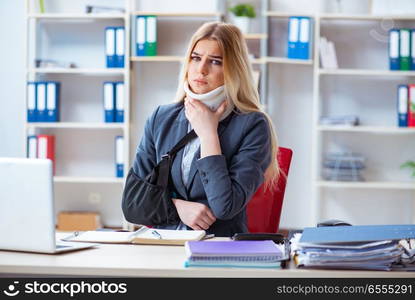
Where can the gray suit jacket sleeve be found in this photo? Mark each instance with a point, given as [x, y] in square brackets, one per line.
[145, 158]
[229, 187]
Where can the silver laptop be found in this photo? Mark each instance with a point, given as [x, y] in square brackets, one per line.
[27, 220]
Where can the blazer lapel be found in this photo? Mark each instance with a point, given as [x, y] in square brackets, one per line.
[193, 170]
[179, 130]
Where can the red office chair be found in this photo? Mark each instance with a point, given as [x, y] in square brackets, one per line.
[264, 209]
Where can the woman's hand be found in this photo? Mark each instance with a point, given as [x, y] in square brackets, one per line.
[205, 124]
[203, 120]
[195, 215]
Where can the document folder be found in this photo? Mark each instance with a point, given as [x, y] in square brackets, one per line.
[109, 102]
[52, 102]
[394, 49]
[119, 156]
[151, 36]
[119, 102]
[140, 22]
[110, 46]
[41, 101]
[293, 36]
[31, 102]
[120, 47]
[403, 105]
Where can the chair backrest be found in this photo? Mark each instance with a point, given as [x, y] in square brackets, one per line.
[264, 209]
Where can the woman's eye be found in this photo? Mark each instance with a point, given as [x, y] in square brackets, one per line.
[195, 58]
[216, 62]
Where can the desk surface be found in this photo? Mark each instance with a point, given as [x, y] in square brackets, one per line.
[146, 261]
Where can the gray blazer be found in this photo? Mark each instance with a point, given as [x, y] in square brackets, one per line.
[224, 183]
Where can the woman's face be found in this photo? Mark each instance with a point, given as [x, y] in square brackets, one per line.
[205, 71]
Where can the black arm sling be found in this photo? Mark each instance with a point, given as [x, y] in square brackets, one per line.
[148, 201]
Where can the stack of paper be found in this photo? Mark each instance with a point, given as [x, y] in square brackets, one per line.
[247, 254]
[371, 256]
[369, 247]
[345, 166]
[328, 54]
[346, 120]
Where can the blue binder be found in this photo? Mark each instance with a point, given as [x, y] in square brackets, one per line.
[413, 49]
[402, 105]
[41, 101]
[32, 146]
[52, 101]
[119, 47]
[110, 46]
[394, 49]
[140, 22]
[293, 37]
[119, 156]
[31, 102]
[355, 234]
[119, 102]
[109, 102]
[304, 38]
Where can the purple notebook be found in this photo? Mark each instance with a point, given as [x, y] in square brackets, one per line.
[232, 249]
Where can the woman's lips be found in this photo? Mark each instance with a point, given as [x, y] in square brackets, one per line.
[202, 82]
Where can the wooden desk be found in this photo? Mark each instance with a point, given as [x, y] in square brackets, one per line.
[146, 261]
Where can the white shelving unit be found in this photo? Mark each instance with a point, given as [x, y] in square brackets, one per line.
[90, 131]
[324, 135]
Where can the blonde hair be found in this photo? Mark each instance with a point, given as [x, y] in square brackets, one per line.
[239, 83]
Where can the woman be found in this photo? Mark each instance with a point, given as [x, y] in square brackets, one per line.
[216, 174]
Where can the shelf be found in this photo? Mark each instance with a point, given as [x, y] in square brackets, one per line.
[157, 58]
[87, 71]
[363, 17]
[80, 179]
[367, 129]
[76, 125]
[177, 14]
[365, 72]
[286, 14]
[284, 60]
[177, 59]
[255, 36]
[368, 185]
[77, 16]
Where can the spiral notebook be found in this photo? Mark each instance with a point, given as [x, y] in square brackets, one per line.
[246, 254]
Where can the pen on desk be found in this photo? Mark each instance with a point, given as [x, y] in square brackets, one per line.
[156, 234]
[208, 236]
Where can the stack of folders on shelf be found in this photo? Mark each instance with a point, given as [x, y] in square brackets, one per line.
[115, 46]
[346, 120]
[367, 247]
[406, 105]
[113, 102]
[41, 146]
[328, 54]
[401, 50]
[119, 156]
[43, 101]
[237, 254]
[146, 35]
[99, 9]
[299, 37]
[343, 166]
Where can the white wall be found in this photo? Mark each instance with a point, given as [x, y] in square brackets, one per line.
[290, 98]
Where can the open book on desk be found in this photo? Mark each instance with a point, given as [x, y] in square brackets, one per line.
[144, 235]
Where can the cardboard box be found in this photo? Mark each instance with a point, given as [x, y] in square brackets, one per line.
[78, 221]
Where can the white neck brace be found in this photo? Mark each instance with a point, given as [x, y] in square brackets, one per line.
[212, 99]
